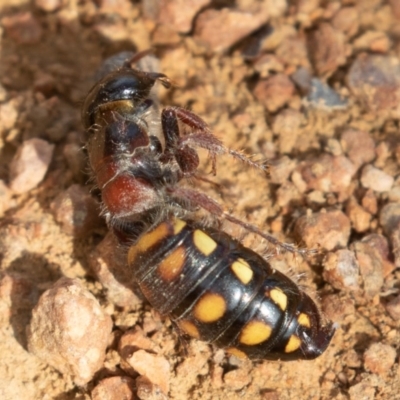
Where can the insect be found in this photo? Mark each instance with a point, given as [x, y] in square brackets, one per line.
[210, 285]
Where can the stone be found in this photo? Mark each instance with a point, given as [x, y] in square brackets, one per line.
[69, 330]
[30, 164]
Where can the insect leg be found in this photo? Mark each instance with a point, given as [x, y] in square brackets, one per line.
[214, 208]
[203, 138]
[185, 156]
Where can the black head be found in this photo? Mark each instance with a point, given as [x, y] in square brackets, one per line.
[124, 84]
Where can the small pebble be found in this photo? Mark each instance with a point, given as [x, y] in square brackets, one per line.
[134, 340]
[375, 81]
[371, 267]
[8, 115]
[220, 29]
[341, 270]
[381, 244]
[379, 358]
[323, 97]
[346, 20]
[280, 170]
[30, 164]
[115, 388]
[327, 49]
[177, 14]
[334, 147]
[329, 230]
[293, 51]
[269, 395]
[316, 197]
[358, 145]
[155, 368]
[76, 211]
[352, 359]
[326, 173]
[69, 330]
[274, 92]
[237, 379]
[360, 218]
[376, 179]
[370, 202]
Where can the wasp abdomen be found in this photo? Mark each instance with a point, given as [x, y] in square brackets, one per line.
[217, 290]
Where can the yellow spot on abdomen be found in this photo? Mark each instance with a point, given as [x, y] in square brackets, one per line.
[279, 298]
[189, 328]
[242, 270]
[293, 344]
[236, 352]
[255, 332]
[209, 308]
[304, 320]
[172, 265]
[203, 242]
[147, 241]
[178, 225]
